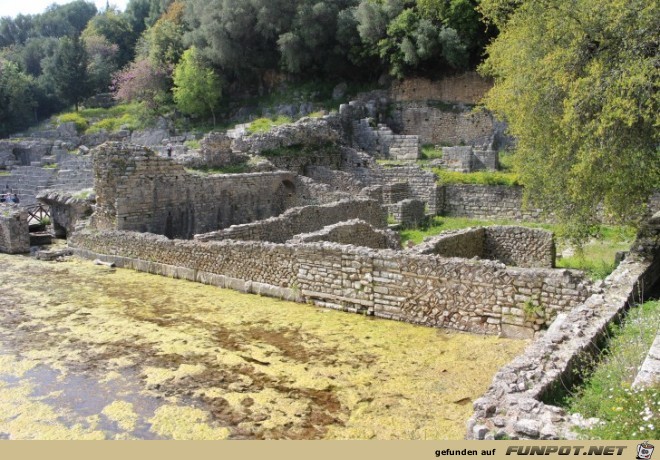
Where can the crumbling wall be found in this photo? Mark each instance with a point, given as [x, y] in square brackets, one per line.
[66, 211]
[517, 405]
[302, 220]
[511, 245]
[138, 191]
[356, 232]
[14, 231]
[469, 295]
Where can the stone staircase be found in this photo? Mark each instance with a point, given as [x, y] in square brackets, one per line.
[382, 141]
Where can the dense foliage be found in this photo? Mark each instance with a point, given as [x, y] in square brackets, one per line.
[249, 45]
[578, 84]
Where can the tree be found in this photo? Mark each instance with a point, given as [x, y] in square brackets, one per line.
[142, 81]
[197, 89]
[16, 99]
[68, 71]
[578, 84]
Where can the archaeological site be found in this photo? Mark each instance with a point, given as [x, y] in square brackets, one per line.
[313, 212]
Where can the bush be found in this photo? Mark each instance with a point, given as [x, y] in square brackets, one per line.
[477, 178]
[80, 121]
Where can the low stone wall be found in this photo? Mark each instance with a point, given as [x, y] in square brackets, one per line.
[485, 202]
[14, 232]
[302, 220]
[469, 159]
[468, 295]
[466, 243]
[408, 213]
[515, 406]
[511, 245]
[355, 232]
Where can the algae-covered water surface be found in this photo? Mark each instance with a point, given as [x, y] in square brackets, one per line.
[88, 352]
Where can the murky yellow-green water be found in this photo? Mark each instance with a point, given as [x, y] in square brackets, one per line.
[88, 352]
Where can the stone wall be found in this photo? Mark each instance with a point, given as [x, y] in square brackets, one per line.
[444, 125]
[14, 232]
[516, 246]
[649, 374]
[355, 232]
[66, 211]
[517, 405]
[520, 246]
[138, 191]
[469, 295]
[469, 159]
[408, 213]
[299, 220]
[467, 88]
[485, 202]
[466, 243]
[422, 184]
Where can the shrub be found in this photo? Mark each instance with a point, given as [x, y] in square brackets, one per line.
[80, 121]
[477, 178]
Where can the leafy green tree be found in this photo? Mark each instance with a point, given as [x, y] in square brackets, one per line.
[64, 20]
[16, 98]
[116, 29]
[102, 61]
[68, 71]
[578, 84]
[197, 89]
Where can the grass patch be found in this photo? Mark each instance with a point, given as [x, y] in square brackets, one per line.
[607, 394]
[431, 152]
[5, 173]
[194, 144]
[478, 178]
[263, 125]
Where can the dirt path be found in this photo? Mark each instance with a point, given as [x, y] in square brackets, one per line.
[88, 352]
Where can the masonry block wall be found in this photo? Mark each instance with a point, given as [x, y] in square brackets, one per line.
[136, 190]
[520, 246]
[469, 295]
[422, 184]
[409, 213]
[443, 125]
[302, 220]
[486, 202]
[14, 232]
[467, 88]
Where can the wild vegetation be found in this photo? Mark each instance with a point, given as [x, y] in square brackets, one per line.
[607, 394]
[188, 53]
